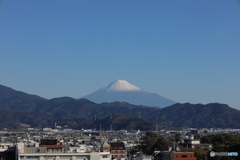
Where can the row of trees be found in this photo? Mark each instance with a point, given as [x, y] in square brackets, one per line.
[221, 143]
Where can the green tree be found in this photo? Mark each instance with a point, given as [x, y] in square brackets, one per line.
[223, 143]
[161, 144]
[150, 135]
[177, 137]
[152, 141]
[200, 154]
[148, 141]
[148, 145]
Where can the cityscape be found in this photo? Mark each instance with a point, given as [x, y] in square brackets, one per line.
[38, 129]
[119, 80]
[62, 143]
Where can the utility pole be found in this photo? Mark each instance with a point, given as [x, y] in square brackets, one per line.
[174, 149]
[100, 129]
[111, 123]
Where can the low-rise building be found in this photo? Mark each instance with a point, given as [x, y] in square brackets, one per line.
[118, 150]
[48, 150]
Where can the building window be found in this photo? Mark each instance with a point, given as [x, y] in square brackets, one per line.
[105, 156]
[184, 156]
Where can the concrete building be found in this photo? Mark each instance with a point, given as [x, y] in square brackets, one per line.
[118, 150]
[56, 152]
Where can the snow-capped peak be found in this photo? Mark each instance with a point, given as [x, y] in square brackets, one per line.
[121, 86]
[123, 91]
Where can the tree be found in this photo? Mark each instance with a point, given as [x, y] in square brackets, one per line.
[148, 146]
[177, 137]
[200, 154]
[148, 141]
[152, 141]
[161, 144]
[223, 143]
[150, 135]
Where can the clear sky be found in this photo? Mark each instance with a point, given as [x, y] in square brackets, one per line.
[184, 50]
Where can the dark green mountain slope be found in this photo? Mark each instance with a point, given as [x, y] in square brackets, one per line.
[9, 93]
[15, 119]
[177, 115]
[12, 99]
[118, 121]
[199, 115]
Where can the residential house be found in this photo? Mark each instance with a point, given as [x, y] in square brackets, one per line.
[118, 150]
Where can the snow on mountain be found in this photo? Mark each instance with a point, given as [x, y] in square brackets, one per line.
[120, 86]
[121, 90]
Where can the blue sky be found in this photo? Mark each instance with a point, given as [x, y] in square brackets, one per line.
[187, 51]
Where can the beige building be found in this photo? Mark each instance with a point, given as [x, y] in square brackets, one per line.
[56, 152]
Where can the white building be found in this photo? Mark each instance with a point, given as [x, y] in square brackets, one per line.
[53, 152]
[4, 146]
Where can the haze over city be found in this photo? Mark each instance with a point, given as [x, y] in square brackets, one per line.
[187, 51]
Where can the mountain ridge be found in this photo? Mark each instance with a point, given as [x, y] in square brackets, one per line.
[7, 93]
[69, 110]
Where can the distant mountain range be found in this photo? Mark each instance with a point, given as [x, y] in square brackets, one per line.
[17, 108]
[122, 91]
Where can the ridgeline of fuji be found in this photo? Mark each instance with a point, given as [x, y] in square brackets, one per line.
[122, 91]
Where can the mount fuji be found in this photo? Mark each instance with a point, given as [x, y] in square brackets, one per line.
[121, 90]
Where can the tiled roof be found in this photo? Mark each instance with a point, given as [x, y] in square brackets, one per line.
[117, 145]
